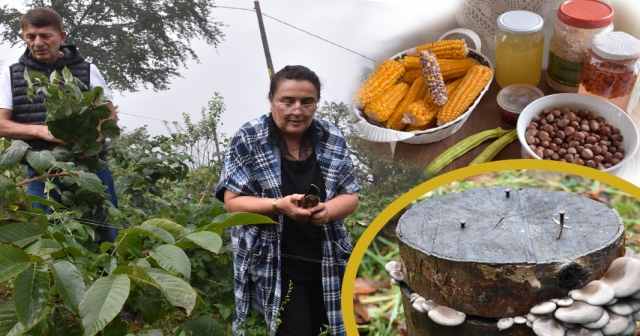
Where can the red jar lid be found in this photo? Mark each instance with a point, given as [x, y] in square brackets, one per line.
[585, 14]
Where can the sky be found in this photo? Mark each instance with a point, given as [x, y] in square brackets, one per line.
[237, 67]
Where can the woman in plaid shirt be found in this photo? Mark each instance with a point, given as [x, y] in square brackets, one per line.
[270, 163]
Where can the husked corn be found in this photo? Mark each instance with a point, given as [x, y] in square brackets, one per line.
[472, 84]
[382, 78]
[382, 106]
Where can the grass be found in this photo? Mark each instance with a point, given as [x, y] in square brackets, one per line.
[384, 249]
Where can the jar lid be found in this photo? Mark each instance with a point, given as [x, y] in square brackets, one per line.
[516, 97]
[615, 46]
[520, 22]
[585, 14]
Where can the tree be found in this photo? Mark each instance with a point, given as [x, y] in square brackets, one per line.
[134, 43]
[202, 140]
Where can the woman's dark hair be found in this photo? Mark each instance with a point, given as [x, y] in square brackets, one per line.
[293, 72]
[42, 17]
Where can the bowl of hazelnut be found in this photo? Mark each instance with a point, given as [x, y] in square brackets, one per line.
[579, 129]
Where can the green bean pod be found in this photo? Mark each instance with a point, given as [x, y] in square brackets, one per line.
[493, 149]
[459, 149]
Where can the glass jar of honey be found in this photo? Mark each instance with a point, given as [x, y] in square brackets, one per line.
[611, 69]
[519, 45]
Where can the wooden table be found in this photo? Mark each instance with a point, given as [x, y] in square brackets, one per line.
[485, 116]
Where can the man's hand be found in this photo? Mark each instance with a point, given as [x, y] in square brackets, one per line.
[45, 134]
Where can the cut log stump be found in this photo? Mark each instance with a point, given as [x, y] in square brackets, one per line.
[506, 258]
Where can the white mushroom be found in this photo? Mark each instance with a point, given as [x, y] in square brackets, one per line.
[417, 304]
[616, 325]
[599, 323]
[397, 275]
[395, 282]
[623, 276]
[594, 293]
[532, 317]
[413, 297]
[629, 252]
[635, 303]
[621, 307]
[543, 308]
[565, 301]
[631, 328]
[393, 266]
[582, 331]
[505, 323]
[579, 312]
[528, 324]
[519, 320]
[428, 305]
[613, 301]
[547, 326]
[446, 316]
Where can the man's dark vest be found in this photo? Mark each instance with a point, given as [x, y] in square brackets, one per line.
[34, 113]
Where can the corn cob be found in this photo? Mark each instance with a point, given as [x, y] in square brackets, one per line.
[382, 106]
[411, 75]
[410, 63]
[416, 92]
[420, 113]
[449, 49]
[382, 78]
[433, 77]
[472, 84]
[454, 68]
[459, 149]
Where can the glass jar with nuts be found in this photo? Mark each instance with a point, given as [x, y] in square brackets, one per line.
[576, 136]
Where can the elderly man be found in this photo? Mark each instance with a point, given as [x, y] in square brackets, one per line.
[22, 119]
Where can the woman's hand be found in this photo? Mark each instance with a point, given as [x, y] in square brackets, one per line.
[319, 214]
[289, 206]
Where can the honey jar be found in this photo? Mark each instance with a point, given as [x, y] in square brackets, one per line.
[611, 69]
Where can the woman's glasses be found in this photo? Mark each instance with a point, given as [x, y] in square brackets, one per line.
[306, 109]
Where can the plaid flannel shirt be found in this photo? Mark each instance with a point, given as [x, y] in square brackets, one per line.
[252, 167]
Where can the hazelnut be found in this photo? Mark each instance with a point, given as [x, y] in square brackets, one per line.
[543, 135]
[587, 154]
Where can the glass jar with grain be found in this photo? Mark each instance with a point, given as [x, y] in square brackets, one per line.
[612, 69]
[519, 45]
[576, 23]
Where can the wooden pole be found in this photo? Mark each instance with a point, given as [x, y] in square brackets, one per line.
[263, 34]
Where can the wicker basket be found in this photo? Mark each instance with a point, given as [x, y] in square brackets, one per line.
[372, 132]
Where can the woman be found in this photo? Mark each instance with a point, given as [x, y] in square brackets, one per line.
[270, 163]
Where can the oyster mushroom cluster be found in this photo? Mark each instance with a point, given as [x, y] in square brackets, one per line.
[439, 314]
[609, 306]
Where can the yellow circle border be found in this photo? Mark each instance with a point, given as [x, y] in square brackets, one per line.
[404, 200]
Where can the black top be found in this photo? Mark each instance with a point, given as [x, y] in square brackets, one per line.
[299, 238]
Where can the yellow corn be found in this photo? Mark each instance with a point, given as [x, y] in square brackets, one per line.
[411, 75]
[382, 106]
[382, 78]
[420, 113]
[416, 92]
[454, 68]
[410, 63]
[450, 49]
[433, 77]
[453, 85]
[472, 84]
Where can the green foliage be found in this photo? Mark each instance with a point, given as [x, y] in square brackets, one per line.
[202, 140]
[133, 43]
[173, 255]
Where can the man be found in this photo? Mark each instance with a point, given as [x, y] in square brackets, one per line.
[22, 119]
